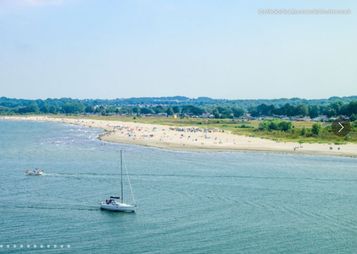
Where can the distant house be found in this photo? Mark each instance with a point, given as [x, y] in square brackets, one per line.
[207, 115]
[302, 119]
[247, 116]
[322, 118]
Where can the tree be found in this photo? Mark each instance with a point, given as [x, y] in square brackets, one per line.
[225, 112]
[32, 108]
[43, 106]
[146, 111]
[303, 131]
[275, 125]
[237, 112]
[136, 110]
[99, 110]
[301, 110]
[169, 111]
[336, 106]
[89, 109]
[353, 117]
[316, 129]
[192, 110]
[216, 113]
[314, 111]
[263, 110]
[330, 112]
[351, 108]
[285, 126]
[159, 109]
[53, 109]
[73, 108]
[176, 109]
[109, 110]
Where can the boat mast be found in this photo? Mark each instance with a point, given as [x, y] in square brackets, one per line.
[121, 176]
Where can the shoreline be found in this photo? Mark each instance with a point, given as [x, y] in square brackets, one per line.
[191, 138]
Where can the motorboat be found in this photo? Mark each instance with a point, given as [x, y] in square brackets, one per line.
[34, 172]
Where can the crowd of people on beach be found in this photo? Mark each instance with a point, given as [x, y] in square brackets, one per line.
[177, 135]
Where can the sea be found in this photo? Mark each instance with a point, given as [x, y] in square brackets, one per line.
[187, 202]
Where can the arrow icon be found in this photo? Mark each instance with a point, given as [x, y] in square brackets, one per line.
[342, 127]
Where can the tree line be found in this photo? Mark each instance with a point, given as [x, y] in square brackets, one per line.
[10, 106]
[331, 110]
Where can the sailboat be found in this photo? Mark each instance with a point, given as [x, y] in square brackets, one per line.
[116, 203]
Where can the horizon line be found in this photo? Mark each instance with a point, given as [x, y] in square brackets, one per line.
[190, 98]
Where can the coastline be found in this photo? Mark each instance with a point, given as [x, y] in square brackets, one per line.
[191, 138]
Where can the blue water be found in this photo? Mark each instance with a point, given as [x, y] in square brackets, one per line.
[241, 202]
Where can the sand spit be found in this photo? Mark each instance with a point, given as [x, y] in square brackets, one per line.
[188, 138]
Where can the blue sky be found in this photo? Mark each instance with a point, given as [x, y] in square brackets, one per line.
[133, 48]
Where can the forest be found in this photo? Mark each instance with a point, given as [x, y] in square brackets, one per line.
[183, 106]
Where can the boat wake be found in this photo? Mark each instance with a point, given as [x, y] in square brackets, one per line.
[52, 207]
[103, 175]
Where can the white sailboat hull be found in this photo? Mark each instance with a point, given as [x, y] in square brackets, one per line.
[34, 173]
[118, 207]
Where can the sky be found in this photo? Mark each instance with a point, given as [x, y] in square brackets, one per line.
[141, 48]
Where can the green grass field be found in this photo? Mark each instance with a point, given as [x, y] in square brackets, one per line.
[247, 128]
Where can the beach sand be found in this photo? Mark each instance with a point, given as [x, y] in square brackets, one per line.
[188, 138]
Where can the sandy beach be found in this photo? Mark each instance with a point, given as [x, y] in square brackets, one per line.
[188, 138]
